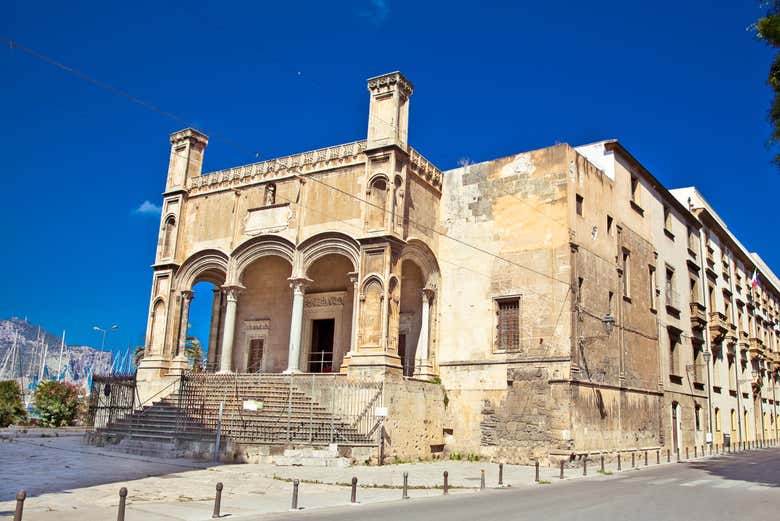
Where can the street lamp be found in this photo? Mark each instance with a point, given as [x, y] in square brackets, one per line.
[707, 355]
[105, 331]
[608, 321]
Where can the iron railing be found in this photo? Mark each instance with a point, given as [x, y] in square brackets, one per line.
[111, 398]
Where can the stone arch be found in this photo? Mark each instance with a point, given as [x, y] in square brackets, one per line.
[248, 252]
[157, 326]
[322, 244]
[206, 265]
[168, 233]
[371, 311]
[376, 201]
[419, 253]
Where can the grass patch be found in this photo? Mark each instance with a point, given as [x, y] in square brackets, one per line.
[543, 482]
[604, 472]
[369, 485]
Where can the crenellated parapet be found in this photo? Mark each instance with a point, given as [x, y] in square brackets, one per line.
[424, 169]
[271, 169]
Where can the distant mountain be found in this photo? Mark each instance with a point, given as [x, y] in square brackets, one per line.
[32, 342]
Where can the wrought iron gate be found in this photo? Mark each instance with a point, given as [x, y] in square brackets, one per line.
[111, 398]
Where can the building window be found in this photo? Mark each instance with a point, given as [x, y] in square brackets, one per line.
[609, 225]
[711, 291]
[667, 219]
[652, 287]
[610, 297]
[671, 293]
[168, 229]
[674, 353]
[508, 324]
[579, 204]
[693, 242]
[694, 289]
[717, 420]
[698, 363]
[626, 265]
[634, 190]
[697, 415]
[733, 420]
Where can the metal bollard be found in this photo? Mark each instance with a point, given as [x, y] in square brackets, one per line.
[482, 479]
[618, 462]
[353, 496]
[645, 458]
[561, 469]
[446, 483]
[668, 456]
[678, 454]
[536, 471]
[657, 456]
[500, 474]
[686, 453]
[695, 451]
[633, 460]
[120, 515]
[20, 497]
[295, 495]
[217, 501]
[405, 494]
[585, 466]
[602, 464]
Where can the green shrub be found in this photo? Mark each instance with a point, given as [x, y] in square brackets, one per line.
[59, 403]
[11, 405]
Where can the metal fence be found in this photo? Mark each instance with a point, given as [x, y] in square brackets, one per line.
[111, 398]
[302, 409]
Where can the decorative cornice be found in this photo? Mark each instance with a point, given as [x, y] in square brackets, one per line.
[189, 134]
[388, 82]
[424, 169]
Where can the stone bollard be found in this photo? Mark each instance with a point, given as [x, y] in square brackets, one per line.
[120, 515]
[353, 495]
[645, 458]
[446, 483]
[500, 474]
[405, 493]
[482, 479]
[217, 501]
[294, 505]
[602, 464]
[561, 469]
[20, 497]
[536, 471]
[618, 462]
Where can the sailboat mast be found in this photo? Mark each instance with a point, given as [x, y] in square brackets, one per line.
[59, 363]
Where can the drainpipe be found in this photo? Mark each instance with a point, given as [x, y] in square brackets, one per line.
[704, 294]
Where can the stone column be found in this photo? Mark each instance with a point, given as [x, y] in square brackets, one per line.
[298, 285]
[226, 358]
[186, 299]
[353, 279]
[424, 368]
[216, 308]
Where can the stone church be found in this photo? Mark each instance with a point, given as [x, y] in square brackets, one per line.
[505, 304]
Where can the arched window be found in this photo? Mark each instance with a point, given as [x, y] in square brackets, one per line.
[376, 207]
[717, 420]
[157, 336]
[168, 228]
[733, 420]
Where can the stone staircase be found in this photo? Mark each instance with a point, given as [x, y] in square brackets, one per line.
[184, 423]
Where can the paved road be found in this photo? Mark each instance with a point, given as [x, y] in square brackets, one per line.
[729, 488]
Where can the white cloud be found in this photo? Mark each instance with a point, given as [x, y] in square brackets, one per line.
[147, 208]
[377, 10]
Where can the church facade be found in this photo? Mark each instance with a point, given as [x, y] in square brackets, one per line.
[513, 305]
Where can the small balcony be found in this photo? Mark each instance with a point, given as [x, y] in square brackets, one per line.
[718, 326]
[756, 348]
[698, 316]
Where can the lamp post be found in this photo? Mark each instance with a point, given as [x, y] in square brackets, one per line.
[105, 331]
[707, 357]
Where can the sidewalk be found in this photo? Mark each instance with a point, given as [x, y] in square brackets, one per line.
[67, 480]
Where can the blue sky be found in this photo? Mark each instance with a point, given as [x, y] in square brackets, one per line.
[680, 84]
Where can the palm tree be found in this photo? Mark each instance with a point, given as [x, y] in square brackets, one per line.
[138, 355]
[194, 352]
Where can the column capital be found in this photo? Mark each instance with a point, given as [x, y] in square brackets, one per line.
[299, 283]
[187, 294]
[427, 294]
[353, 277]
[233, 291]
